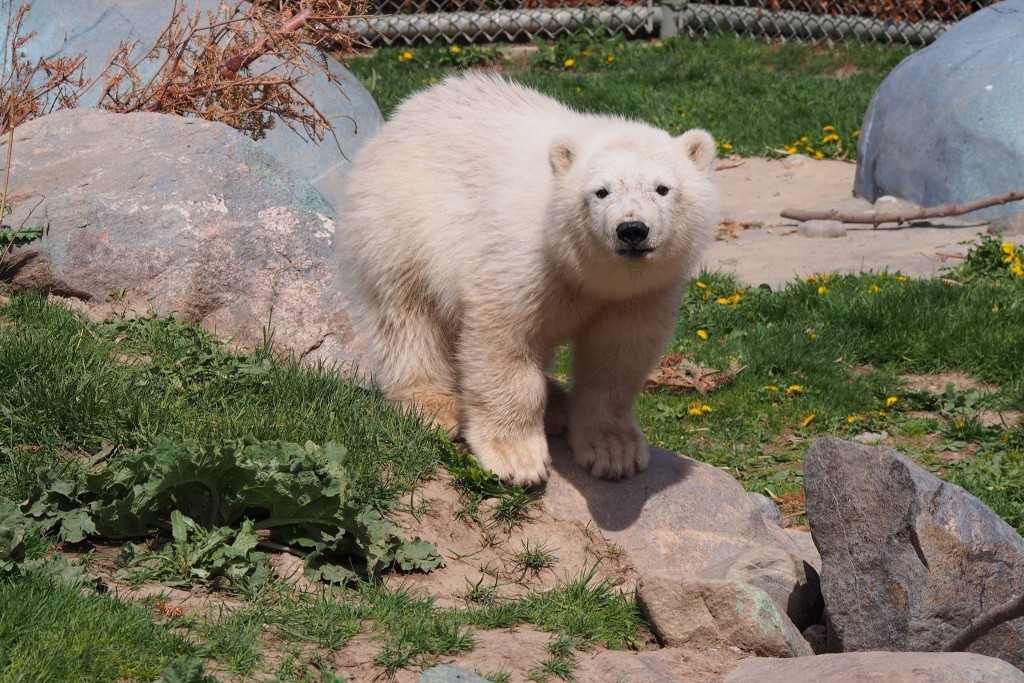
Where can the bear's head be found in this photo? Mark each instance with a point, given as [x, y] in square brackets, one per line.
[637, 204]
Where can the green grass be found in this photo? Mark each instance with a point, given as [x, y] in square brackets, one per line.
[753, 96]
[49, 632]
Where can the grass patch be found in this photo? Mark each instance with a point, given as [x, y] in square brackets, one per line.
[753, 97]
[50, 632]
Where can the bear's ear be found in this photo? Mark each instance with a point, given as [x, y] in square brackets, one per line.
[561, 155]
[699, 146]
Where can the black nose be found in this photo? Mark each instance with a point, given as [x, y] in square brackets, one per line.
[632, 233]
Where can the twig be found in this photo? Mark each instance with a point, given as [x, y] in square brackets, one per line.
[878, 217]
[251, 53]
[985, 622]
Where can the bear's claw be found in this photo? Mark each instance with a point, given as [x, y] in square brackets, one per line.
[608, 452]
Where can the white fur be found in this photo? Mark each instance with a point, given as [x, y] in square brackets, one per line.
[476, 244]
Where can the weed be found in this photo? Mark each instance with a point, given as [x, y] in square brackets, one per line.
[513, 508]
[533, 558]
[480, 594]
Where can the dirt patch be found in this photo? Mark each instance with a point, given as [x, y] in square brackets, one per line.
[485, 561]
[937, 383]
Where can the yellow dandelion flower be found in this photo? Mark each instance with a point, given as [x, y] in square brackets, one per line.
[727, 146]
[723, 301]
[882, 413]
[874, 289]
[825, 278]
[579, 89]
[405, 56]
[830, 138]
[856, 133]
[610, 59]
[701, 285]
[829, 128]
[1017, 269]
[694, 408]
[901, 278]
[823, 290]
[809, 419]
[819, 155]
[456, 49]
[812, 278]
[995, 308]
[795, 389]
[961, 424]
[703, 334]
[569, 63]
[812, 334]
[705, 408]
[791, 150]
[803, 139]
[851, 419]
[771, 387]
[891, 401]
[586, 53]
[1008, 248]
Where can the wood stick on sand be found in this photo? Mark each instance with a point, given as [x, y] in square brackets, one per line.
[878, 217]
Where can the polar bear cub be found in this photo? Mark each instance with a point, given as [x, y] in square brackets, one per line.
[484, 225]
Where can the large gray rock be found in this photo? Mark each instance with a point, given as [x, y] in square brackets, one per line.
[878, 667]
[95, 29]
[945, 125]
[679, 514]
[907, 559]
[179, 216]
[446, 673]
[704, 613]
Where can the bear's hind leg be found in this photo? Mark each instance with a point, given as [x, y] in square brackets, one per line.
[414, 363]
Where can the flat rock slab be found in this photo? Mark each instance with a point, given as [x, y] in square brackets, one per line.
[679, 514]
[907, 559]
[95, 29]
[969, 145]
[878, 667]
[179, 216]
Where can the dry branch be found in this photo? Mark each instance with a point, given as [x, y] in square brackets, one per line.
[985, 622]
[876, 218]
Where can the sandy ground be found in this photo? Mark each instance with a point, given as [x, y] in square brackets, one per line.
[756, 190]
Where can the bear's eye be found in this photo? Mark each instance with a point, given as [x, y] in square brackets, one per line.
[662, 190]
[601, 194]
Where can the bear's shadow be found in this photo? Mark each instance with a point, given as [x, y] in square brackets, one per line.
[613, 505]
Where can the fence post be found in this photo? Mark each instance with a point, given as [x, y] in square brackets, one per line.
[670, 13]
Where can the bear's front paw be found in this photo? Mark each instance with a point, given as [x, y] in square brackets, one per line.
[609, 451]
[523, 462]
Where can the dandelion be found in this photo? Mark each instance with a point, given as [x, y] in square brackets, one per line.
[809, 419]
[812, 334]
[901, 278]
[456, 49]
[727, 146]
[882, 413]
[995, 308]
[696, 408]
[812, 278]
[1017, 269]
[405, 56]
[579, 89]
[569, 63]
[610, 59]
[856, 133]
[891, 401]
[701, 285]
[850, 420]
[722, 300]
[829, 128]
[771, 388]
[819, 155]
[791, 150]
[874, 289]
[586, 53]
[703, 334]
[961, 424]
[823, 290]
[1009, 249]
[803, 139]
[830, 138]
[795, 389]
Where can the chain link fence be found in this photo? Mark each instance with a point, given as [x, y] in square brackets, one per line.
[913, 22]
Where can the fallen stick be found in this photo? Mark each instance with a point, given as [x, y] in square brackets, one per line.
[254, 51]
[878, 217]
[985, 622]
